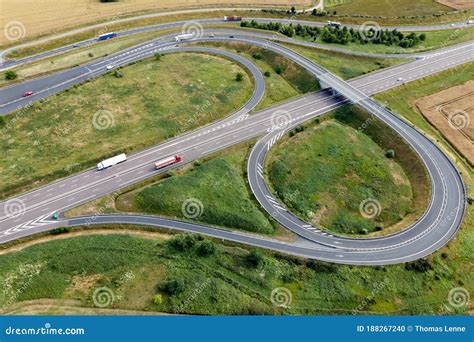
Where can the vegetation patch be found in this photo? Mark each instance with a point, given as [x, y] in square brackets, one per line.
[344, 35]
[155, 275]
[334, 174]
[212, 192]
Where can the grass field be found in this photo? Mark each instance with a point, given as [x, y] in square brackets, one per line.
[326, 172]
[292, 81]
[132, 269]
[345, 66]
[155, 100]
[40, 17]
[218, 189]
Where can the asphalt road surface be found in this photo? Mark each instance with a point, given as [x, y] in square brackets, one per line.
[369, 24]
[437, 227]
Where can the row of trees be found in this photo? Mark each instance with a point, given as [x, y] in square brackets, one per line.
[342, 35]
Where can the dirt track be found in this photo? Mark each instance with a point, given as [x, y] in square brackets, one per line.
[451, 111]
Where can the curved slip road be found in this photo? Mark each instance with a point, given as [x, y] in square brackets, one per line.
[202, 142]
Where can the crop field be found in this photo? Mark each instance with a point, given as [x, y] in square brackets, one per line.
[390, 8]
[45, 16]
[457, 4]
[402, 100]
[153, 101]
[143, 274]
[451, 111]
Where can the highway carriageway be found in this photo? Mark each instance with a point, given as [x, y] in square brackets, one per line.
[215, 137]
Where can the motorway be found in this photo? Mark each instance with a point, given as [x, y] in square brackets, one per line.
[433, 229]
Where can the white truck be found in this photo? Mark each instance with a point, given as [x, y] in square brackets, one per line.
[111, 161]
[185, 36]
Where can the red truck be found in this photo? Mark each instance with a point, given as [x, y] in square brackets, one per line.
[167, 162]
[232, 18]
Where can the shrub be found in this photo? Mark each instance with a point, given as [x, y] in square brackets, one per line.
[266, 73]
[174, 287]
[90, 54]
[11, 75]
[2, 122]
[420, 265]
[183, 242]
[118, 74]
[157, 56]
[157, 299]
[278, 69]
[470, 200]
[321, 266]
[57, 231]
[239, 77]
[255, 258]
[206, 248]
[390, 154]
[257, 55]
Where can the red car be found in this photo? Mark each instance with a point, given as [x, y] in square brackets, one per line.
[27, 93]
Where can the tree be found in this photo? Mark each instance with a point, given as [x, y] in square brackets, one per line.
[157, 299]
[239, 77]
[293, 9]
[206, 248]
[278, 69]
[266, 73]
[183, 242]
[255, 258]
[390, 154]
[11, 75]
[157, 56]
[2, 122]
[174, 287]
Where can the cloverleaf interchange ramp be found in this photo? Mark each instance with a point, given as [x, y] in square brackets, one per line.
[434, 229]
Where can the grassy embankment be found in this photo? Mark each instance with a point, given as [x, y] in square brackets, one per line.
[195, 276]
[326, 172]
[434, 40]
[153, 101]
